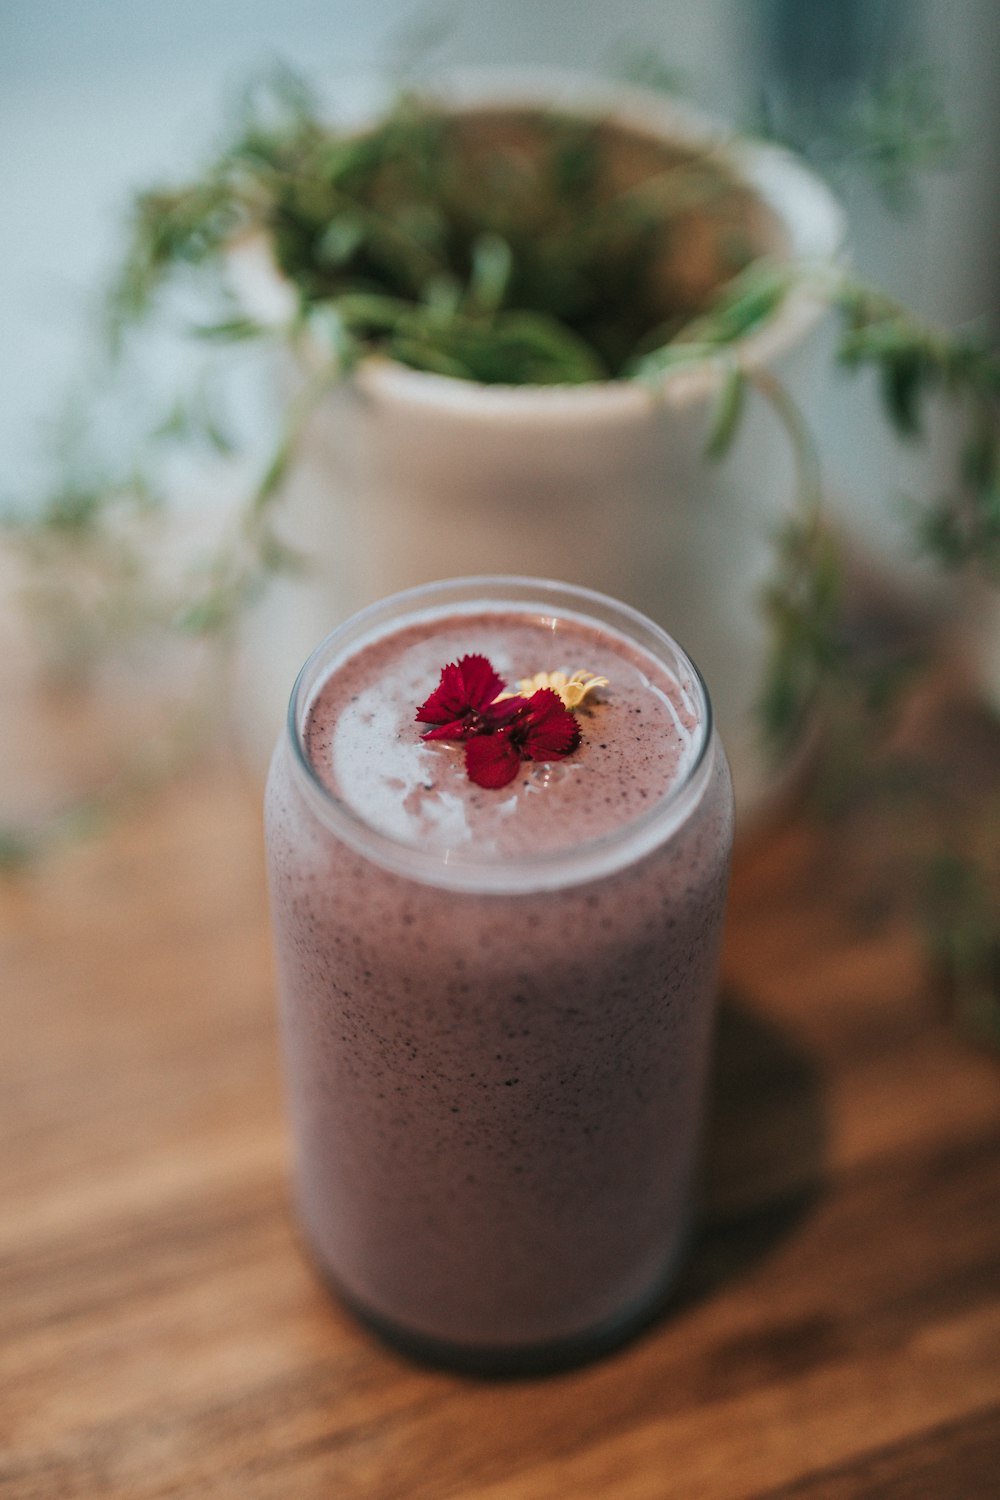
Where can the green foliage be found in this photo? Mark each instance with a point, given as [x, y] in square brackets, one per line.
[522, 236]
[916, 363]
[514, 255]
[890, 135]
[962, 919]
[803, 606]
[898, 132]
[727, 413]
[518, 257]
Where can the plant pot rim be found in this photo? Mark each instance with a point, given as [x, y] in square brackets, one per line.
[810, 216]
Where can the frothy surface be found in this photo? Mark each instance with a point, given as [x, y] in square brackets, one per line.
[639, 736]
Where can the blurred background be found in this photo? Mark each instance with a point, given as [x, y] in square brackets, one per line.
[896, 102]
[100, 98]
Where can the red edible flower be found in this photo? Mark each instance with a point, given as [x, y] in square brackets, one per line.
[461, 703]
[498, 731]
[541, 729]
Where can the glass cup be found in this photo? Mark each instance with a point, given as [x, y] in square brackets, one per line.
[496, 1066]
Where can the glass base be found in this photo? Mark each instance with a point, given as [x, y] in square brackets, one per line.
[510, 1361]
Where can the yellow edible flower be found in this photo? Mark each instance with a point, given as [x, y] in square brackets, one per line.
[572, 690]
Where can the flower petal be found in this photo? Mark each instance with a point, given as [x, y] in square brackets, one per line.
[503, 711]
[482, 682]
[491, 760]
[572, 690]
[466, 686]
[577, 688]
[550, 730]
[458, 729]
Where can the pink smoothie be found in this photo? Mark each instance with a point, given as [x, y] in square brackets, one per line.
[497, 1004]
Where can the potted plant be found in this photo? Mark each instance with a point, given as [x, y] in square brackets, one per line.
[518, 311]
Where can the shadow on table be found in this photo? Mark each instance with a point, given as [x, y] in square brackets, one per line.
[765, 1149]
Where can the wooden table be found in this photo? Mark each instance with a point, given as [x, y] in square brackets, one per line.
[837, 1333]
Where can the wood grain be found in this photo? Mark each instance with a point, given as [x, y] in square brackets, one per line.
[837, 1333]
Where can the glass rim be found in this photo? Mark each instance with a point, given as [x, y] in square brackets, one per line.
[551, 869]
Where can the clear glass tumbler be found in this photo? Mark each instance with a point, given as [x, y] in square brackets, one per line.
[496, 1064]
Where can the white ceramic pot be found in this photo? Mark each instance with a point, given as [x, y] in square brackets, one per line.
[407, 477]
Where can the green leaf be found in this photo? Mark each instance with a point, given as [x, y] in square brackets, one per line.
[371, 311]
[727, 412]
[275, 473]
[17, 850]
[557, 349]
[208, 615]
[276, 556]
[341, 239]
[904, 380]
[939, 533]
[980, 459]
[326, 324]
[442, 298]
[742, 305]
[645, 67]
[659, 362]
[492, 262]
[230, 331]
[425, 354]
[575, 157]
